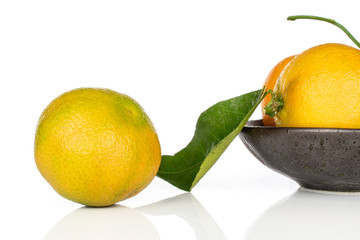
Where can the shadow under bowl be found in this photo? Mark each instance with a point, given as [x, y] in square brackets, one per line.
[325, 159]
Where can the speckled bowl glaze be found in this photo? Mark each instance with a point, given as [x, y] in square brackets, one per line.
[316, 158]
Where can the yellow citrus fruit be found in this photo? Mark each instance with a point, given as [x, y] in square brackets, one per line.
[321, 88]
[96, 146]
[269, 85]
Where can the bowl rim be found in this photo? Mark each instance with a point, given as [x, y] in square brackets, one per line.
[258, 124]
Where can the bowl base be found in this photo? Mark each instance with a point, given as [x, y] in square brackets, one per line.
[351, 193]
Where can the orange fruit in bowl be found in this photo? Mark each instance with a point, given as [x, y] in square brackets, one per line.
[320, 88]
[269, 85]
[96, 146]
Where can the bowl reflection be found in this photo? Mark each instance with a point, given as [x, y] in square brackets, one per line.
[316, 158]
[309, 215]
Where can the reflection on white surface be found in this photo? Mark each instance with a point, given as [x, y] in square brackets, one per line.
[115, 222]
[189, 209]
[119, 222]
[309, 215]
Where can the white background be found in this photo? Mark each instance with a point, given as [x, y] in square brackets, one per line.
[176, 58]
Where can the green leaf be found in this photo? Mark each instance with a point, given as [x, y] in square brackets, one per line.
[215, 130]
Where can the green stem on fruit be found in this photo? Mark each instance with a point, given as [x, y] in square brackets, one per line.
[293, 18]
[275, 104]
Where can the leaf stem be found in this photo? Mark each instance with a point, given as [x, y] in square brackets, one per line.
[293, 18]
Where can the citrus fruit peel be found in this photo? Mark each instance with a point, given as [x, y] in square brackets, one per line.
[304, 93]
[96, 146]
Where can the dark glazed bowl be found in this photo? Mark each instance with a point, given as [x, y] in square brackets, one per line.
[316, 158]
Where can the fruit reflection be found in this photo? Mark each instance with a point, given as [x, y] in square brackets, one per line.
[115, 222]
